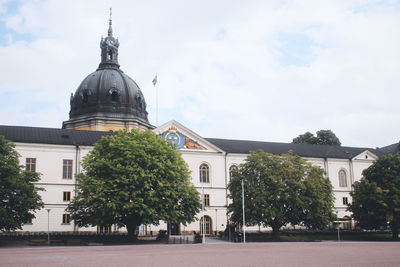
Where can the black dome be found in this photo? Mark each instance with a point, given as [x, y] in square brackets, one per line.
[108, 92]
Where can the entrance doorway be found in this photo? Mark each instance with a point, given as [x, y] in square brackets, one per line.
[207, 226]
[173, 229]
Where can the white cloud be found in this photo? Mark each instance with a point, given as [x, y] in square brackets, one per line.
[220, 63]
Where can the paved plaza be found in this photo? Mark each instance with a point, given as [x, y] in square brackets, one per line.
[217, 254]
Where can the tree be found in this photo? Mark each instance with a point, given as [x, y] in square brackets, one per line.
[19, 197]
[376, 197]
[281, 190]
[134, 178]
[324, 137]
[306, 138]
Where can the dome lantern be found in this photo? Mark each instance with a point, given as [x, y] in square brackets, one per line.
[109, 49]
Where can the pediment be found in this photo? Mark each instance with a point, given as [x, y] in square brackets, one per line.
[366, 155]
[184, 138]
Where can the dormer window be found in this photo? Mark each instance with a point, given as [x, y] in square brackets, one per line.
[114, 97]
[114, 94]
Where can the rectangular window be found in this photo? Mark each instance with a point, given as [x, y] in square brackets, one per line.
[67, 196]
[67, 169]
[66, 219]
[345, 201]
[31, 164]
[28, 221]
[206, 200]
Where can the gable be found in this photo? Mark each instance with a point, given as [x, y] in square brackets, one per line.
[366, 155]
[184, 138]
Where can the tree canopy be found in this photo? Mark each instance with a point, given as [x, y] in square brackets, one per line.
[376, 197]
[281, 190]
[134, 178]
[324, 137]
[19, 197]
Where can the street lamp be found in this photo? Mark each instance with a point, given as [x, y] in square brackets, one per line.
[244, 221]
[216, 222]
[48, 226]
[204, 223]
[338, 226]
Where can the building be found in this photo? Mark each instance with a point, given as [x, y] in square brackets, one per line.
[108, 99]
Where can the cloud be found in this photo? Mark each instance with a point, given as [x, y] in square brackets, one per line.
[247, 70]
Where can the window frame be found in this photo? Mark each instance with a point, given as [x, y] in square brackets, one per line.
[204, 170]
[206, 200]
[32, 165]
[67, 170]
[208, 227]
[66, 218]
[28, 221]
[232, 168]
[67, 196]
[345, 200]
[342, 182]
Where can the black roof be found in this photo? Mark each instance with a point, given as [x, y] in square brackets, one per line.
[304, 150]
[391, 149]
[57, 136]
[40, 135]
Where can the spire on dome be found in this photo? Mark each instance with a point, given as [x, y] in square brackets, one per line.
[110, 33]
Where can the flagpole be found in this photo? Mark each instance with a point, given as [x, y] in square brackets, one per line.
[156, 105]
[155, 85]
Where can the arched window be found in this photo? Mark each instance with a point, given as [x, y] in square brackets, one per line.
[342, 178]
[207, 226]
[204, 173]
[232, 169]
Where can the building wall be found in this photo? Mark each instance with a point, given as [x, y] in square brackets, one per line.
[49, 162]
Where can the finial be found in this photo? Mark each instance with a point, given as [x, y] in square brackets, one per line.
[110, 23]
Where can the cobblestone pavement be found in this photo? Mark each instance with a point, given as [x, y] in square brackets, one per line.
[216, 254]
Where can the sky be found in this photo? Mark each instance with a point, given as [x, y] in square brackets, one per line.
[251, 70]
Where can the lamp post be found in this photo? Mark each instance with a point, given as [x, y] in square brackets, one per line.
[216, 222]
[202, 207]
[244, 221]
[338, 226]
[48, 226]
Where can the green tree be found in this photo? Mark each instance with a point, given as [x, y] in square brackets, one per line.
[134, 178]
[324, 137]
[376, 197]
[281, 190]
[19, 197]
[306, 138]
[318, 200]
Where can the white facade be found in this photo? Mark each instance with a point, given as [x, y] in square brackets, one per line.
[198, 151]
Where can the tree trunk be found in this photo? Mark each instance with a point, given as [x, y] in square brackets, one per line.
[395, 232]
[275, 233]
[132, 231]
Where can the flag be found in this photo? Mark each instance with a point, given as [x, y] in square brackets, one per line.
[155, 80]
